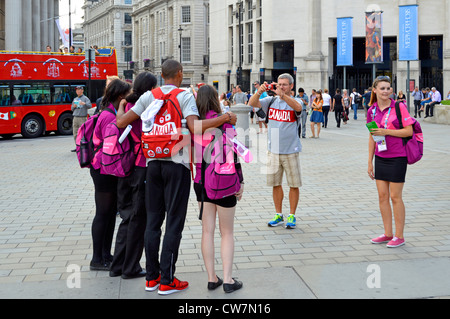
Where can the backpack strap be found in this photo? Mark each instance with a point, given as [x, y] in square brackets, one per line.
[270, 104]
[400, 121]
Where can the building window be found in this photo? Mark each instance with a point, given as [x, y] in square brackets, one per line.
[128, 38]
[185, 14]
[127, 19]
[186, 49]
[250, 42]
[128, 54]
[250, 9]
[128, 1]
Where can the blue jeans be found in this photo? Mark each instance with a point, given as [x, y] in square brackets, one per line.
[355, 110]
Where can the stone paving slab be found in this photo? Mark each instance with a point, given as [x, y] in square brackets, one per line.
[47, 206]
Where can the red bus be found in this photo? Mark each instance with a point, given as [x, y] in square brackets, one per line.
[37, 89]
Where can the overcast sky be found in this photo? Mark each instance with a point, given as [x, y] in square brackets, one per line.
[76, 9]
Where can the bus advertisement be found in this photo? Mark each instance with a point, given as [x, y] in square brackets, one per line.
[37, 89]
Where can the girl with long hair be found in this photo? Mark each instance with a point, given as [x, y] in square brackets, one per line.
[317, 114]
[131, 195]
[390, 166]
[209, 106]
[105, 185]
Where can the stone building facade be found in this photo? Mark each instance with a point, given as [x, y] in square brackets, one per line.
[108, 23]
[299, 37]
[172, 29]
[28, 25]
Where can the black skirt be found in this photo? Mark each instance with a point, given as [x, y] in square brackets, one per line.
[227, 202]
[391, 169]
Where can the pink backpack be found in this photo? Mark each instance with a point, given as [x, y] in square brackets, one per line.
[219, 176]
[413, 144]
[118, 159]
[85, 142]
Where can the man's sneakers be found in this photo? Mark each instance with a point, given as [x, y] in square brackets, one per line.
[291, 222]
[278, 220]
[175, 286]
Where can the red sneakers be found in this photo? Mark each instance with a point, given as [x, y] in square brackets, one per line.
[152, 285]
[175, 286]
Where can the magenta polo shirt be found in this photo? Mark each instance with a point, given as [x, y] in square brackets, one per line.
[395, 147]
[99, 134]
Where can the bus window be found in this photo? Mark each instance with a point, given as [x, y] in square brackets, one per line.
[4, 95]
[64, 94]
[32, 93]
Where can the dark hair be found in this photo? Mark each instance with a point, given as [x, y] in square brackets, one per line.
[114, 91]
[208, 99]
[170, 68]
[144, 82]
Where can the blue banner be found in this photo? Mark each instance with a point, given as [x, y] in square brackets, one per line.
[408, 33]
[344, 42]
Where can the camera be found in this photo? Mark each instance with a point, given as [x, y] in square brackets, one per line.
[271, 87]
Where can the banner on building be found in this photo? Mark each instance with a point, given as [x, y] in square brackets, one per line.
[374, 37]
[344, 42]
[409, 33]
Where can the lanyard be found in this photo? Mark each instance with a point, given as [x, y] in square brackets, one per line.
[387, 117]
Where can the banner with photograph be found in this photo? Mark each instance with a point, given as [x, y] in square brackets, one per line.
[344, 42]
[374, 37]
[409, 33]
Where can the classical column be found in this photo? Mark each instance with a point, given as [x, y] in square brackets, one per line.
[13, 27]
[36, 26]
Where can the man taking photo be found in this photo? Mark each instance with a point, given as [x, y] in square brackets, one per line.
[283, 145]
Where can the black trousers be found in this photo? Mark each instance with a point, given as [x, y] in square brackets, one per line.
[326, 110]
[417, 107]
[167, 191]
[129, 245]
[430, 108]
[338, 115]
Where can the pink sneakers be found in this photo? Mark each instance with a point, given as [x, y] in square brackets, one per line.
[396, 242]
[392, 242]
[382, 239]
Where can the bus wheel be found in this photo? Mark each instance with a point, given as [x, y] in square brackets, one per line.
[65, 123]
[32, 126]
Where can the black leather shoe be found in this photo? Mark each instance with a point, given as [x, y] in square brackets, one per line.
[232, 287]
[214, 285]
[102, 266]
[140, 274]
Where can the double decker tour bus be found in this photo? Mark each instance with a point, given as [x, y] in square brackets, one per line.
[37, 89]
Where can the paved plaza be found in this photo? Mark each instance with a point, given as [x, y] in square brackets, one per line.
[47, 206]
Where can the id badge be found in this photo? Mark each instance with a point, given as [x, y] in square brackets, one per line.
[382, 146]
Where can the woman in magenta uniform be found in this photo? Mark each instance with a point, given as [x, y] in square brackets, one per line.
[386, 145]
[103, 224]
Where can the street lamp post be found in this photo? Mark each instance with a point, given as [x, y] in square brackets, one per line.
[240, 33]
[180, 29]
[70, 24]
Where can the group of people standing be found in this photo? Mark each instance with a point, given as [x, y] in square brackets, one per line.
[157, 190]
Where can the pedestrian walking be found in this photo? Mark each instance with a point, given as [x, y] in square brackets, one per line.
[389, 170]
[338, 107]
[80, 106]
[304, 101]
[327, 103]
[317, 114]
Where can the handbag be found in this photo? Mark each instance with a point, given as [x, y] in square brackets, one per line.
[344, 116]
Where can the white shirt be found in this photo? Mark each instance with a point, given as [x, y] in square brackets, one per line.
[326, 99]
